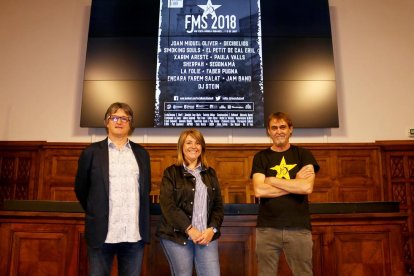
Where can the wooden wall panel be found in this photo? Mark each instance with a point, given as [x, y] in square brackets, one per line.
[235, 247]
[318, 259]
[362, 254]
[59, 171]
[161, 158]
[349, 172]
[47, 251]
[59, 193]
[398, 164]
[80, 256]
[19, 170]
[50, 243]
[234, 174]
[232, 169]
[156, 256]
[39, 249]
[324, 189]
[360, 247]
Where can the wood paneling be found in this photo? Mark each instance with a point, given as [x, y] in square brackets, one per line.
[398, 164]
[236, 246]
[19, 170]
[39, 247]
[51, 243]
[59, 168]
[350, 172]
[38, 253]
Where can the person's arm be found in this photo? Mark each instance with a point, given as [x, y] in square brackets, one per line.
[264, 189]
[302, 184]
[174, 215]
[82, 179]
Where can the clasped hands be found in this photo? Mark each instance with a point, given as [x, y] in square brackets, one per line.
[202, 238]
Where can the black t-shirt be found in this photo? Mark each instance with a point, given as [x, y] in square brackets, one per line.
[291, 210]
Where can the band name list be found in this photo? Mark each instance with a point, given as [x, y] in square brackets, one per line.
[209, 62]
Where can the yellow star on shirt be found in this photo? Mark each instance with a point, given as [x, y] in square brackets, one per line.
[283, 169]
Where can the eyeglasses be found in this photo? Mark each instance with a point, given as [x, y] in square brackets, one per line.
[122, 119]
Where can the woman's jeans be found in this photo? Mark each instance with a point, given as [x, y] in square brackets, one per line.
[181, 257]
[296, 245]
[129, 256]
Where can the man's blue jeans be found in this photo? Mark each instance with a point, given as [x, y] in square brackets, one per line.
[181, 257]
[296, 244]
[129, 255]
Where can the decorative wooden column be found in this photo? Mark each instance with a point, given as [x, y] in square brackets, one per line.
[398, 164]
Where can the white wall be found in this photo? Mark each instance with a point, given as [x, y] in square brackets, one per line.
[42, 54]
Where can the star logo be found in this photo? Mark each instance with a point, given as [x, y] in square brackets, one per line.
[283, 169]
[209, 8]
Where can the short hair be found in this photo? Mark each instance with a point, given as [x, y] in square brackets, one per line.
[113, 108]
[279, 116]
[196, 134]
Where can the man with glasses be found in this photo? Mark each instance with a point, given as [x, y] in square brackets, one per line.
[113, 185]
[283, 176]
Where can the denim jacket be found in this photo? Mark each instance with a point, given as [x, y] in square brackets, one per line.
[176, 202]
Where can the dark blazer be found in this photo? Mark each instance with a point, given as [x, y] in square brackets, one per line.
[176, 202]
[92, 190]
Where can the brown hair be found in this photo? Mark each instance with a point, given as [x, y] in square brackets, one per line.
[196, 134]
[279, 116]
[113, 108]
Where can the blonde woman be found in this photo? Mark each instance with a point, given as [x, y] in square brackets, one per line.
[192, 210]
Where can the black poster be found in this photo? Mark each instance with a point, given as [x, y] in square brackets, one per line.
[209, 64]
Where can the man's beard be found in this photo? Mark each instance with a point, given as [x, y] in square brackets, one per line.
[280, 141]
